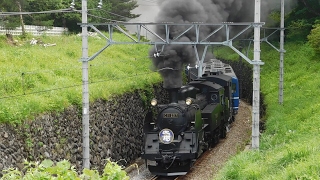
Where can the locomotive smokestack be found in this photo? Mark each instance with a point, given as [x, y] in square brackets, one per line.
[170, 63]
[173, 95]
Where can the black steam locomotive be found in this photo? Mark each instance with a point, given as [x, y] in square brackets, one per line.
[197, 116]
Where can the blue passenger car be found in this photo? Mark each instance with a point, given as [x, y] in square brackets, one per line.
[216, 66]
[235, 94]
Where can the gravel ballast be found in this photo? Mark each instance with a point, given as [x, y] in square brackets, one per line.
[237, 138]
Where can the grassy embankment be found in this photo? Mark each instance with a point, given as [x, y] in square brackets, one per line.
[289, 147]
[35, 79]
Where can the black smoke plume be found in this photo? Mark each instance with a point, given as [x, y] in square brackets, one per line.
[173, 58]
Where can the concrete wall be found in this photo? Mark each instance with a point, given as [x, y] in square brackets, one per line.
[35, 30]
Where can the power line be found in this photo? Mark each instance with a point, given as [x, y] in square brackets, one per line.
[75, 85]
[68, 10]
[113, 20]
[115, 14]
[40, 12]
[150, 1]
[147, 5]
[38, 92]
[93, 82]
[21, 73]
[104, 18]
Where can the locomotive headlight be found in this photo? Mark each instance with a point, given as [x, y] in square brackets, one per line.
[166, 136]
[154, 102]
[188, 101]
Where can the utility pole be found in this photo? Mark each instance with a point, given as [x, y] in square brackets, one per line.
[256, 78]
[282, 51]
[85, 89]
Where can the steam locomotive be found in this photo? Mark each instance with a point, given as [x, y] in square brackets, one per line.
[196, 117]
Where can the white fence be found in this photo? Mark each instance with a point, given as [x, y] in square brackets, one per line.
[35, 30]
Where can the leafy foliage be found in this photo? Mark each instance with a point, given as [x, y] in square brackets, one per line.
[10, 22]
[299, 29]
[275, 16]
[302, 18]
[110, 10]
[113, 171]
[123, 9]
[63, 170]
[314, 38]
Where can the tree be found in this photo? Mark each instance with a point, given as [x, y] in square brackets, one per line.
[111, 10]
[314, 38]
[122, 10]
[312, 6]
[13, 21]
[118, 10]
[41, 19]
[302, 18]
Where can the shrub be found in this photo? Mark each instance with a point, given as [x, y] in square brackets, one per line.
[314, 38]
[63, 170]
[299, 30]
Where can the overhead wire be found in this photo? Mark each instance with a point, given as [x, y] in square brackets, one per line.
[113, 20]
[103, 18]
[92, 82]
[40, 12]
[68, 10]
[75, 85]
[62, 11]
[115, 14]
[73, 67]
[148, 5]
[150, 1]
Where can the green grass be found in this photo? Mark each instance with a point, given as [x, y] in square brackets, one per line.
[35, 79]
[289, 147]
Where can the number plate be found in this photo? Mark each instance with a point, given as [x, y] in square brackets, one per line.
[170, 115]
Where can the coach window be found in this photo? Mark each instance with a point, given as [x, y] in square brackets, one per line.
[204, 90]
[233, 87]
[228, 70]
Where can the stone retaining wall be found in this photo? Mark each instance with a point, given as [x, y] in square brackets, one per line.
[115, 132]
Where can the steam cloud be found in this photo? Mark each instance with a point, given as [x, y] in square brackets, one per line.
[173, 58]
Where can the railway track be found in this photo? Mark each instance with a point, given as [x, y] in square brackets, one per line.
[164, 177]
